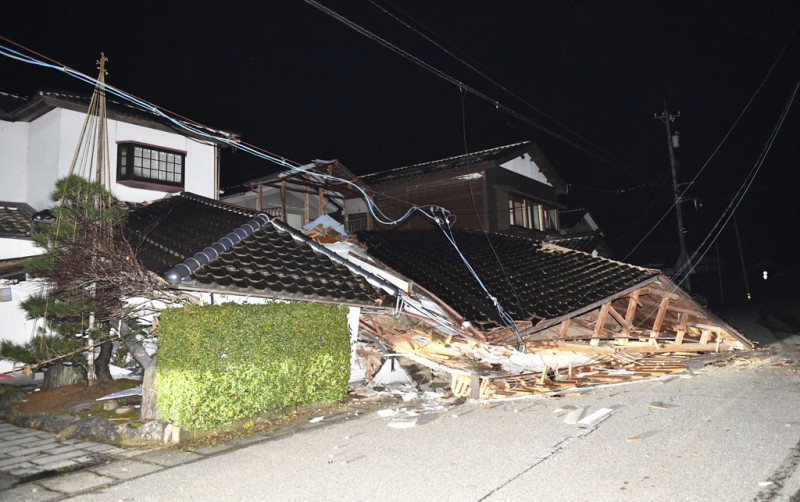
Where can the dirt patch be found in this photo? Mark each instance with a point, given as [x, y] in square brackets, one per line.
[57, 401]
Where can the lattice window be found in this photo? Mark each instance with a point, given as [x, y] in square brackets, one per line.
[145, 163]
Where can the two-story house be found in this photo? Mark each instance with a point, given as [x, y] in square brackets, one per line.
[512, 188]
[149, 157]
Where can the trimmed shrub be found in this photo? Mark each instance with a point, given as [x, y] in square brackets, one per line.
[220, 363]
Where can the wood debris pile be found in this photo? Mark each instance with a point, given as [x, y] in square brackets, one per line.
[325, 235]
[642, 334]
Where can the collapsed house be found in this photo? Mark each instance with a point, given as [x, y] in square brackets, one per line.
[579, 319]
[217, 252]
[220, 253]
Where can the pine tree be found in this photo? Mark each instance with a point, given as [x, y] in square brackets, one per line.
[88, 265]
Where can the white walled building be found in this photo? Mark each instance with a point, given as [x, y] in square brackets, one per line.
[39, 136]
[148, 158]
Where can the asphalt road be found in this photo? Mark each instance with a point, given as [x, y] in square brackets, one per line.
[718, 433]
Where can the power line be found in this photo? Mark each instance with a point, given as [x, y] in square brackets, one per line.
[444, 76]
[438, 214]
[722, 141]
[740, 193]
[482, 73]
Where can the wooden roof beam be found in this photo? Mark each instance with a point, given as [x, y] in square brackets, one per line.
[662, 311]
[600, 324]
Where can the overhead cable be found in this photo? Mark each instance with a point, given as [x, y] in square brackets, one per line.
[484, 75]
[722, 142]
[438, 214]
[687, 269]
[444, 76]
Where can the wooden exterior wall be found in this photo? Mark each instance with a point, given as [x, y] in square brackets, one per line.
[487, 196]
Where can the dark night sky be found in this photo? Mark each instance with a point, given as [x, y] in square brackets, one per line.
[294, 81]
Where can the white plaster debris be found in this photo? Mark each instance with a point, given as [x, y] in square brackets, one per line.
[564, 408]
[403, 424]
[573, 416]
[597, 415]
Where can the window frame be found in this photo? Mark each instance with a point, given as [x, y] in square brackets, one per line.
[169, 162]
[526, 213]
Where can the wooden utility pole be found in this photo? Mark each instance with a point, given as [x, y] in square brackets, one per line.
[672, 140]
[101, 123]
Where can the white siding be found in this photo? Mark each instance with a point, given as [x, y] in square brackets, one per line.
[14, 327]
[34, 155]
[13, 160]
[526, 167]
[18, 248]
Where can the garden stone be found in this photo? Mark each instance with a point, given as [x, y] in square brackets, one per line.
[62, 375]
[147, 433]
[33, 421]
[79, 408]
[97, 429]
[68, 432]
[56, 423]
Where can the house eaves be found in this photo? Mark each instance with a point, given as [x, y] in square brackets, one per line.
[483, 158]
[47, 100]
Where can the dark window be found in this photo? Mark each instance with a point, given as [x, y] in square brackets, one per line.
[145, 164]
[526, 213]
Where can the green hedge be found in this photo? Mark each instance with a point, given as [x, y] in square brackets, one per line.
[220, 363]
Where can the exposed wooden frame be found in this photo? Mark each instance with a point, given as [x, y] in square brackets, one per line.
[600, 324]
[662, 311]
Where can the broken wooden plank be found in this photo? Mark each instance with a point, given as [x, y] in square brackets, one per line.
[685, 347]
[626, 326]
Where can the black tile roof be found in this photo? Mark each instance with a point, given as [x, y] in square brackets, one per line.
[280, 261]
[270, 262]
[15, 219]
[570, 217]
[13, 107]
[531, 280]
[441, 165]
[9, 102]
[586, 242]
[173, 229]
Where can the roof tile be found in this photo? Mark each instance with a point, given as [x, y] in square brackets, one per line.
[531, 280]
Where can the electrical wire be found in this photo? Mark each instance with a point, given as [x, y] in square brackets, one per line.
[650, 182]
[513, 325]
[730, 210]
[687, 268]
[719, 146]
[444, 76]
[485, 75]
[438, 214]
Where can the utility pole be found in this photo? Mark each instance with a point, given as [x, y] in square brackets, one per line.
[741, 256]
[672, 143]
